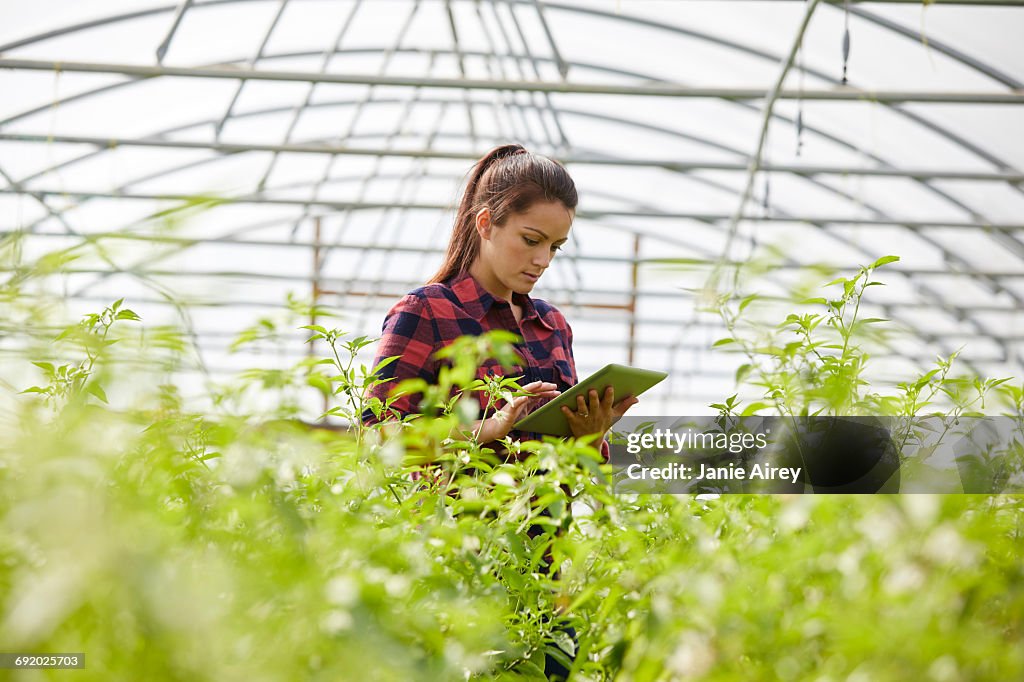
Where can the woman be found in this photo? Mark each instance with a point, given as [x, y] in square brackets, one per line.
[515, 215]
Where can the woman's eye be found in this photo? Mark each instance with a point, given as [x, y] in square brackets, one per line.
[556, 248]
[530, 242]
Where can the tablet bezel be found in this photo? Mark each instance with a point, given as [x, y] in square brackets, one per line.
[624, 379]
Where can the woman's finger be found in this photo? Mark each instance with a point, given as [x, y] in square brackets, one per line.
[515, 408]
[624, 404]
[608, 399]
[539, 387]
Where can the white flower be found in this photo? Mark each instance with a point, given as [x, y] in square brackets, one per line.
[693, 656]
[342, 590]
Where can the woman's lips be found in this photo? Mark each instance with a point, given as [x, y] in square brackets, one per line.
[531, 277]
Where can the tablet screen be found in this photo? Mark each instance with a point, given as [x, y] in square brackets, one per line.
[625, 380]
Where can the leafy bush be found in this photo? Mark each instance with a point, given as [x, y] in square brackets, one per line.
[167, 542]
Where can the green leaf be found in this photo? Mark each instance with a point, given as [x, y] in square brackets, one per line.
[530, 672]
[558, 654]
[384, 363]
[319, 382]
[52, 262]
[742, 371]
[884, 260]
[754, 407]
[723, 342]
[127, 314]
[95, 389]
[564, 642]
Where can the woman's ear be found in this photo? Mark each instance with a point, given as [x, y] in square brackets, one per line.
[483, 223]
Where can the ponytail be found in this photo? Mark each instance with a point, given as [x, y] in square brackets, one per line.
[508, 179]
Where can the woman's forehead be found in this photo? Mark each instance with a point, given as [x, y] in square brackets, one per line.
[549, 217]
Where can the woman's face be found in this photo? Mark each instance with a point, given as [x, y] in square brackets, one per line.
[514, 255]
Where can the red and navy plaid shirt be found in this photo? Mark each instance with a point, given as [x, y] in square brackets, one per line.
[433, 316]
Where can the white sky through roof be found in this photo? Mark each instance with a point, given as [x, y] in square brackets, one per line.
[920, 156]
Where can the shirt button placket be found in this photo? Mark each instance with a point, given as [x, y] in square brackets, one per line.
[532, 371]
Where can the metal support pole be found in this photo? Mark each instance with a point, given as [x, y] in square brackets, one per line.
[1015, 177]
[1013, 96]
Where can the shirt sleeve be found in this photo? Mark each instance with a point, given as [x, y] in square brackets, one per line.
[408, 332]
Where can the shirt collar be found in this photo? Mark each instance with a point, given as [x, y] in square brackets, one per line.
[477, 300]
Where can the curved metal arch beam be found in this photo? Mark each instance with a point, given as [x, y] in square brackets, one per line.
[575, 112]
[249, 303]
[985, 69]
[226, 239]
[646, 210]
[595, 214]
[976, 64]
[669, 90]
[214, 2]
[957, 314]
[746, 49]
[1006, 239]
[263, 276]
[703, 37]
[103, 275]
[886, 169]
[722, 42]
[1012, 243]
[683, 135]
[940, 46]
[924, 335]
[1013, 180]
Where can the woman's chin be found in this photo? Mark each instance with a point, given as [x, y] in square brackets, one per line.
[524, 284]
[523, 289]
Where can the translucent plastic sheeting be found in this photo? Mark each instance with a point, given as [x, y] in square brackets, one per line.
[339, 133]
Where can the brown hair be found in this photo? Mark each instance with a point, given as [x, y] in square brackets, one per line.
[508, 179]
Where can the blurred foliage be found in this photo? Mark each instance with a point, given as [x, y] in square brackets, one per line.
[170, 543]
[814, 363]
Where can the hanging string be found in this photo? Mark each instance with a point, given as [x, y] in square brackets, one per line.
[846, 37]
[765, 199]
[800, 99]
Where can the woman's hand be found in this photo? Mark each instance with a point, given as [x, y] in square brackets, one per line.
[497, 427]
[597, 415]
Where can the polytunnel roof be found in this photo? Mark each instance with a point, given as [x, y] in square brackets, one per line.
[334, 137]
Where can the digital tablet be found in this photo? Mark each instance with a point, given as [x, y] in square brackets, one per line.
[625, 380]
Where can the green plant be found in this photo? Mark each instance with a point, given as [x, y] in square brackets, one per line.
[90, 337]
[815, 363]
[169, 541]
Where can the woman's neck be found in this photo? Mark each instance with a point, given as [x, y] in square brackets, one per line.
[489, 282]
